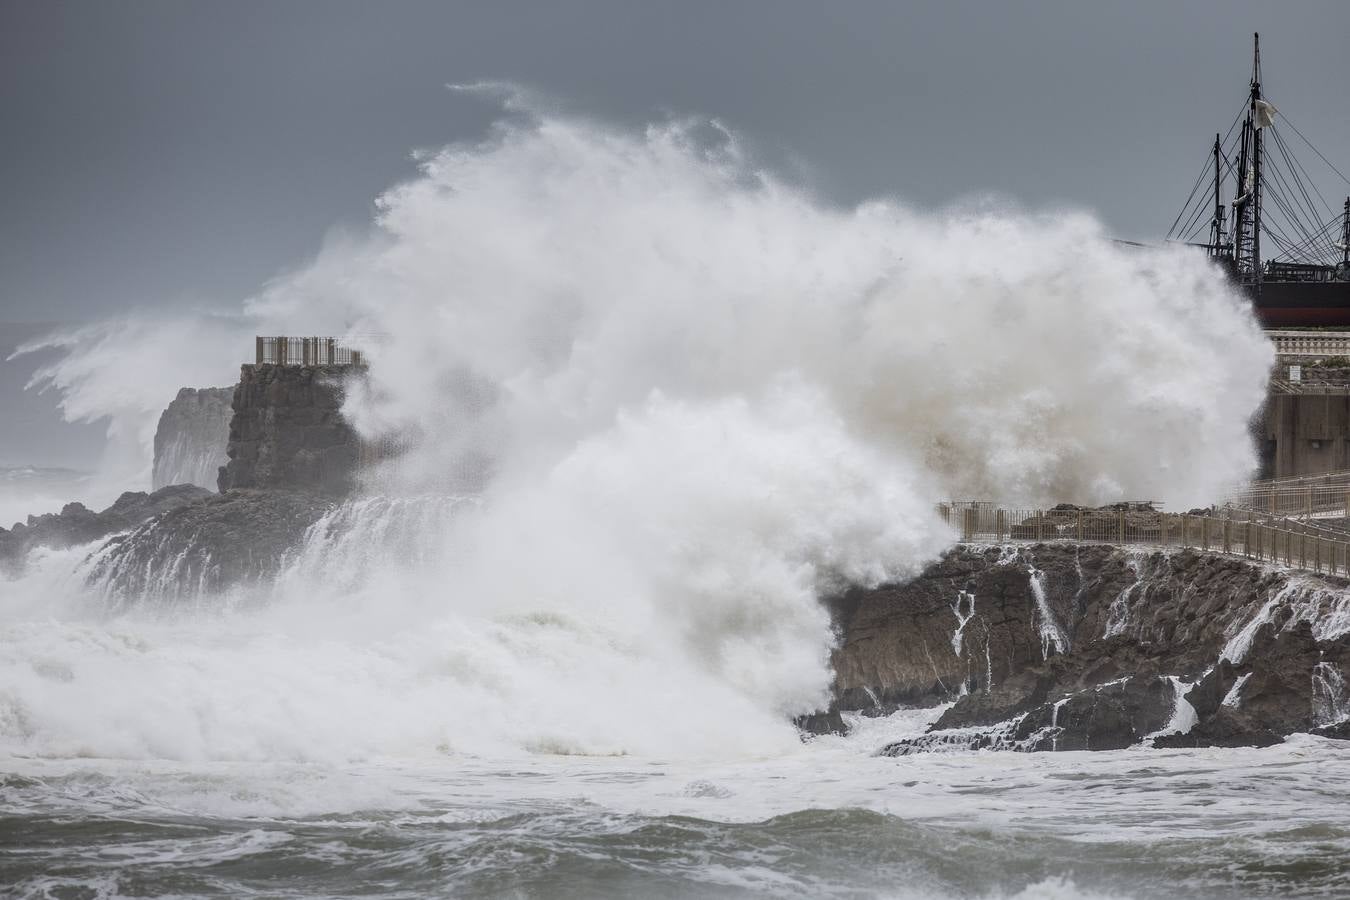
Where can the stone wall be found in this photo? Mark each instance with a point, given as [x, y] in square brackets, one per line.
[287, 431]
[1305, 434]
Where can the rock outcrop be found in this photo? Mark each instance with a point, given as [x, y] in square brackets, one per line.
[1058, 646]
[191, 437]
[289, 455]
[77, 524]
[221, 542]
[287, 431]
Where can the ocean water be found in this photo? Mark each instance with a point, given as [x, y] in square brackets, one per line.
[827, 819]
[364, 741]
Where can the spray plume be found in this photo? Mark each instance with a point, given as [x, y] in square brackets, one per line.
[686, 399]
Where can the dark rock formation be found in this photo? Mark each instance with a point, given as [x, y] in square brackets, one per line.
[828, 722]
[191, 437]
[1061, 646]
[287, 431]
[76, 524]
[222, 541]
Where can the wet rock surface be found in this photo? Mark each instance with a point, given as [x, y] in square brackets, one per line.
[224, 541]
[1089, 647]
[287, 431]
[77, 524]
[191, 436]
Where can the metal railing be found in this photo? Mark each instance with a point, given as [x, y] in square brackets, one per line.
[1262, 541]
[1294, 500]
[1284, 386]
[305, 351]
[1320, 479]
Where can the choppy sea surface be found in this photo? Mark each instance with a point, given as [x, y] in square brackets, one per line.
[830, 820]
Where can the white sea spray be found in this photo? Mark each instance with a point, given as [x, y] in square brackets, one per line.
[686, 398]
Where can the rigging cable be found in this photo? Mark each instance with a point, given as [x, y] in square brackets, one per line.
[1318, 152]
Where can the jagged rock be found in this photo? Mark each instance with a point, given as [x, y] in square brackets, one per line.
[287, 431]
[828, 722]
[1340, 730]
[222, 541]
[191, 437]
[1108, 716]
[77, 524]
[1058, 646]
[1224, 728]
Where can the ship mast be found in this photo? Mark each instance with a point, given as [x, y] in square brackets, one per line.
[1216, 232]
[1247, 206]
[1345, 237]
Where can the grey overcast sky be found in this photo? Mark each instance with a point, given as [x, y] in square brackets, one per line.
[182, 152]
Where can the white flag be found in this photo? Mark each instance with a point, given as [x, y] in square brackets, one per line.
[1265, 113]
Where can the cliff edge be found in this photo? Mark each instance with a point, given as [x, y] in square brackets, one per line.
[191, 437]
[287, 431]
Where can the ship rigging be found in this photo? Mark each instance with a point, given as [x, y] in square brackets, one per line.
[1274, 199]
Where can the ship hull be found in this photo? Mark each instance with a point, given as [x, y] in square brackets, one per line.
[1281, 304]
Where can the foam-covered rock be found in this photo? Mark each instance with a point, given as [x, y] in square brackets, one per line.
[1061, 646]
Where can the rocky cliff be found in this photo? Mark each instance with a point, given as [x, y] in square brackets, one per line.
[76, 524]
[1058, 646]
[221, 542]
[287, 431]
[191, 437]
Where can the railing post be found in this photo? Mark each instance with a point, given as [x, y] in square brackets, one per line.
[1185, 528]
[1001, 523]
[1040, 525]
[1080, 526]
[1120, 528]
[1303, 551]
[968, 524]
[1162, 528]
[1204, 533]
[1307, 502]
[1227, 536]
